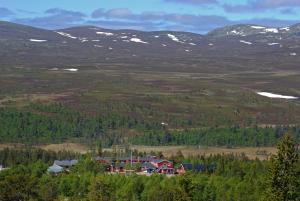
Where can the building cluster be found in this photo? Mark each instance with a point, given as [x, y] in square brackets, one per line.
[150, 164]
[142, 165]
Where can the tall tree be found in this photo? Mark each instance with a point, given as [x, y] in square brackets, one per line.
[283, 182]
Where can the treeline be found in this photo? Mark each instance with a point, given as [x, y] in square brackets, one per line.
[54, 123]
[39, 123]
[11, 157]
[234, 136]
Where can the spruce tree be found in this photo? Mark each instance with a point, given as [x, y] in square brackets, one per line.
[283, 184]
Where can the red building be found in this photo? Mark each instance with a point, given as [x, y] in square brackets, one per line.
[163, 166]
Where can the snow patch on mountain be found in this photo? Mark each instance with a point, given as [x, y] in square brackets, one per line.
[66, 35]
[258, 27]
[245, 42]
[37, 40]
[235, 32]
[71, 69]
[271, 44]
[104, 33]
[272, 30]
[137, 40]
[174, 38]
[285, 29]
[271, 95]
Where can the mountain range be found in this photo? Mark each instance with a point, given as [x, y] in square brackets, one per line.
[244, 47]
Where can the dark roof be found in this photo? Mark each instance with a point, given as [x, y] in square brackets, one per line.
[200, 167]
[187, 166]
[66, 163]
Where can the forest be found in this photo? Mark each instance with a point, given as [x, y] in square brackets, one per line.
[236, 178]
[53, 123]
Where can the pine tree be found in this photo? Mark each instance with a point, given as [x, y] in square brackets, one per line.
[283, 183]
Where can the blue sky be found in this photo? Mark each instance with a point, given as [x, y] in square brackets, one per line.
[183, 15]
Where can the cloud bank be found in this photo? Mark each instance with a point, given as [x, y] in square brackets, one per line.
[124, 18]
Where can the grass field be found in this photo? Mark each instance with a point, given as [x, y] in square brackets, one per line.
[261, 153]
[205, 98]
[251, 152]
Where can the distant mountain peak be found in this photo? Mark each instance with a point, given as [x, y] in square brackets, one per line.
[245, 30]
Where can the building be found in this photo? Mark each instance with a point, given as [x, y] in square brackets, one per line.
[149, 164]
[65, 163]
[148, 168]
[55, 169]
[184, 167]
[163, 166]
[61, 165]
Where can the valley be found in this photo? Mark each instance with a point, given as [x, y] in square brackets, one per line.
[241, 76]
[159, 100]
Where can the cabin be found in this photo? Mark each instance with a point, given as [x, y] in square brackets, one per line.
[55, 169]
[61, 165]
[163, 166]
[65, 163]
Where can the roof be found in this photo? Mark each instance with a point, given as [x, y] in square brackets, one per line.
[160, 160]
[55, 169]
[119, 165]
[65, 163]
[200, 167]
[187, 166]
[148, 166]
[99, 158]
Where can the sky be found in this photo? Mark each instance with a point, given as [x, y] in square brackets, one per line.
[199, 16]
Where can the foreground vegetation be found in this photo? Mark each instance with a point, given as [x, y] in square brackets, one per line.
[236, 178]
